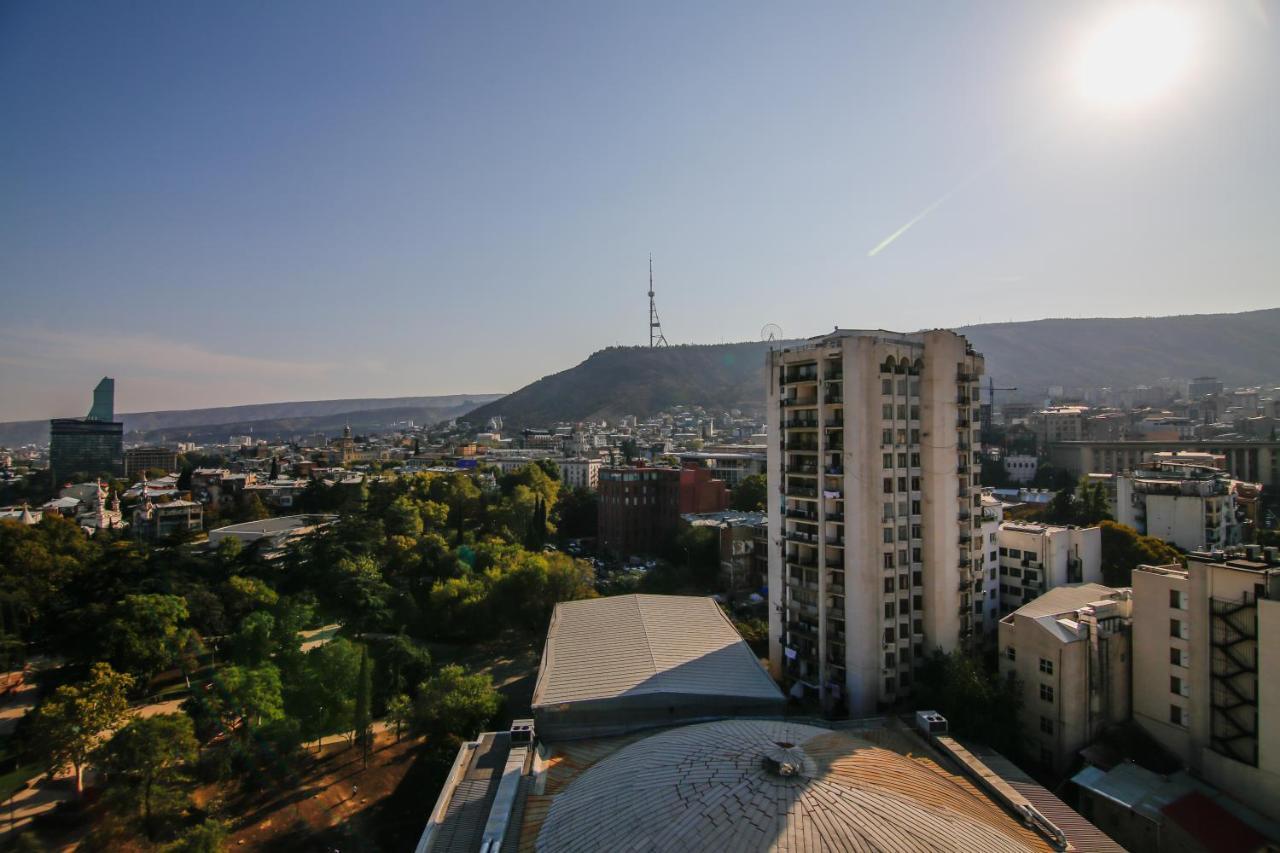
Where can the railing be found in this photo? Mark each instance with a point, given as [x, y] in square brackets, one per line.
[801, 423]
[835, 470]
[832, 399]
[800, 492]
[808, 515]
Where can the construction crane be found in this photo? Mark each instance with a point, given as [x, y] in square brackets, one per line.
[989, 412]
[656, 338]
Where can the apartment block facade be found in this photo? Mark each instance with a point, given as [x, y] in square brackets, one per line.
[874, 510]
[1035, 558]
[1206, 643]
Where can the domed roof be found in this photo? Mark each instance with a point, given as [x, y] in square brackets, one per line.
[745, 785]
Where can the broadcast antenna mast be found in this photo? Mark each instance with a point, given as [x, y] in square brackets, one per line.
[656, 338]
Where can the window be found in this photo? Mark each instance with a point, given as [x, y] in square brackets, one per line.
[1004, 552]
[888, 460]
[1046, 725]
[888, 685]
[992, 556]
[888, 635]
[888, 534]
[902, 557]
[1177, 599]
[888, 584]
[886, 386]
[915, 413]
[902, 484]
[915, 531]
[903, 582]
[917, 626]
[917, 555]
[888, 485]
[888, 561]
[917, 601]
[1004, 571]
[902, 460]
[1014, 553]
[1046, 666]
[888, 610]
[1178, 715]
[902, 387]
[915, 436]
[1177, 629]
[1175, 657]
[915, 484]
[1046, 693]
[915, 507]
[886, 436]
[1176, 686]
[915, 460]
[890, 660]
[917, 578]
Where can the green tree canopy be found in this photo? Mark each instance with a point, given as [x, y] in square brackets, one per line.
[145, 633]
[67, 724]
[750, 494]
[1124, 549]
[453, 705]
[144, 763]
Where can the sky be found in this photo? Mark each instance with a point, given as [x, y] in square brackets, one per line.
[238, 202]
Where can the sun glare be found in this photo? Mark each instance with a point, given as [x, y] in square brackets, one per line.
[1136, 56]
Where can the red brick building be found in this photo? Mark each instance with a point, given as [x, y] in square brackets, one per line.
[640, 506]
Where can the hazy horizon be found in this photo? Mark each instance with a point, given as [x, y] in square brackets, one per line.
[245, 203]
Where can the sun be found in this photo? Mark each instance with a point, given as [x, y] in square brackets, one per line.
[1136, 56]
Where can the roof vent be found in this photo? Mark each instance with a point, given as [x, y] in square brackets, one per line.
[931, 722]
[521, 732]
[785, 760]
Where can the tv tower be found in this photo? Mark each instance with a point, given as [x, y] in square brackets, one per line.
[656, 338]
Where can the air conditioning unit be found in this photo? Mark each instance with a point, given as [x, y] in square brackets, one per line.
[931, 723]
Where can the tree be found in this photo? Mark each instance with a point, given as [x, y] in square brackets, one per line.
[275, 468]
[454, 705]
[145, 635]
[976, 703]
[144, 761]
[323, 697]
[364, 706]
[751, 493]
[255, 640]
[400, 712]
[207, 837]
[630, 450]
[577, 513]
[1124, 549]
[68, 723]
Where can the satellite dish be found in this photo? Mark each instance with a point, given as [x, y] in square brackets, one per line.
[771, 332]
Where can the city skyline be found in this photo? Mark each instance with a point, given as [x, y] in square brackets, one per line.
[403, 201]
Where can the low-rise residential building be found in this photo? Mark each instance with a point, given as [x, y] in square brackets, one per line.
[1060, 423]
[1069, 649]
[1187, 502]
[1203, 636]
[580, 472]
[1253, 461]
[1021, 468]
[744, 546]
[1034, 558]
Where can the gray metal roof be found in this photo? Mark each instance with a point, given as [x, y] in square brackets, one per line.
[631, 645]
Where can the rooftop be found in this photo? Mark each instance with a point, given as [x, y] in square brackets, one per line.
[631, 645]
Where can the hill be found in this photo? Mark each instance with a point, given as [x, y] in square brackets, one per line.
[1242, 349]
[270, 420]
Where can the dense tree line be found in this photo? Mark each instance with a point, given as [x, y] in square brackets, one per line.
[409, 561]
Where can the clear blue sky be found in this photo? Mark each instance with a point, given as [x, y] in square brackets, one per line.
[229, 202]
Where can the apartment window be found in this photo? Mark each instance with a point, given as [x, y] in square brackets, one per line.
[888, 460]
[917, 578]
[886, 436]
[902, 387]
[1176, 686]
[888, 685]
[991, 574]
[992, 556]
[915, 460]
[886, 411]
[890, 660]
[888, 485]
[1178, 715]
[1046, 666]
[888, 561]
[902, 557]
[888, 511]
[889, 610]
[902, 413]
[1175, 657]
[888, 534]
[904, 679]
[902, 484]
[903, 582]
[917, 626]
[915, 531]
[915, 507]
[886, 386]
[1177, 599]
[917, 601]
[1176, 629]
[915, 413]
[1015, 553]
[888, 635]
[902, 460]
[1046, 693]
[1046, 725]
[1004, 552]
[902, 533]
[1004, 571]
[917, 555]
[888, 584]
[915, 484]
[915, 436]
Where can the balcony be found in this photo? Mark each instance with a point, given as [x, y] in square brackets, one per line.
[836, 541]
[801, 447]
[793, 560]
[799, 536]
[835, 470]
[801, 423]
[833, 399]
[807, 373]
[834, 423]
[804, 514]
[837, 517]
[801, 470]
[802, 493]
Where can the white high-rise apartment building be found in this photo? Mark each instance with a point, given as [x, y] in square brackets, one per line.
[875, 511]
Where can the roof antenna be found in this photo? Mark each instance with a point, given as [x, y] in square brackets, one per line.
[656, 338]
